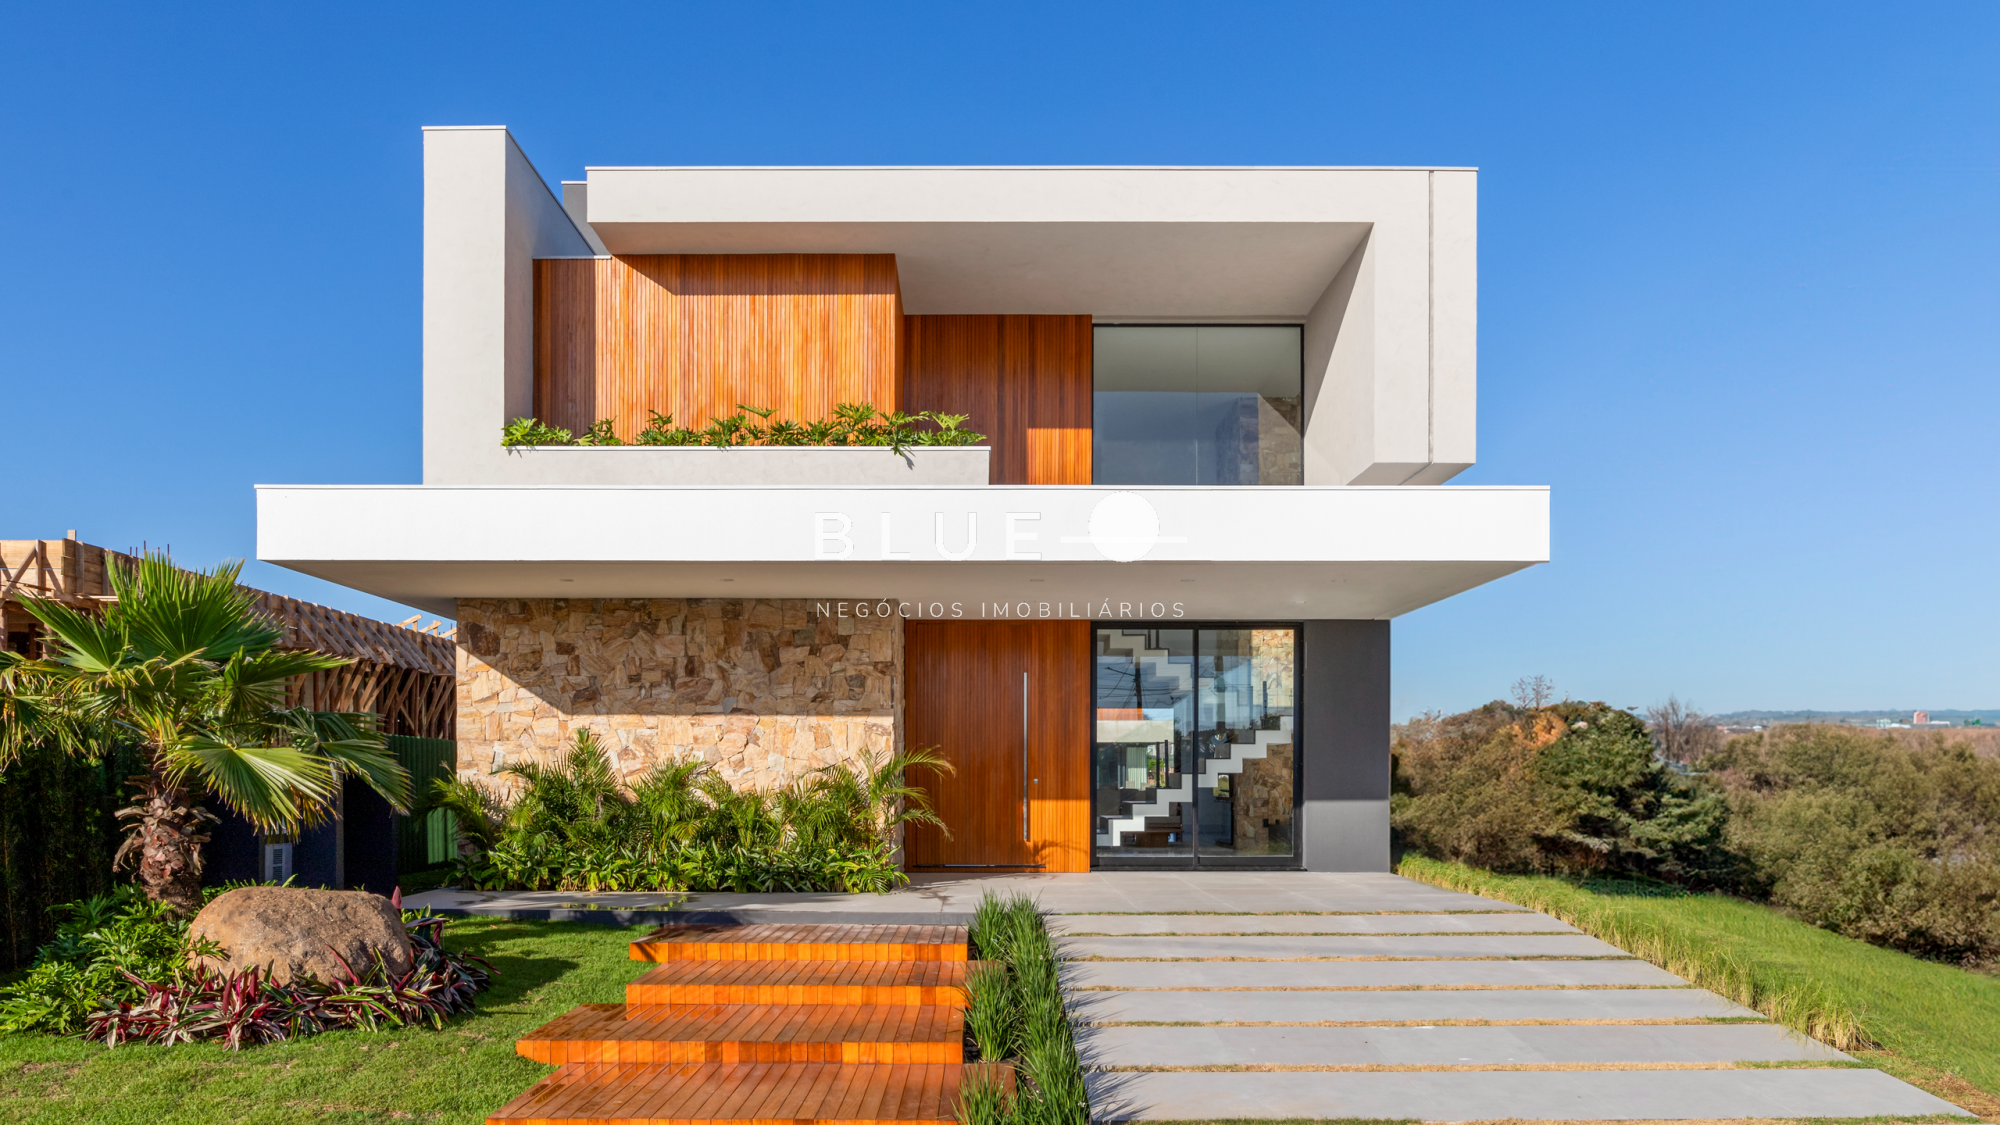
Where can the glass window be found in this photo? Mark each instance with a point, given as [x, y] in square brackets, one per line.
[1193, 746]
[1177, 404]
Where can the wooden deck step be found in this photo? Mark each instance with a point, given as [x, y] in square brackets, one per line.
[787, 942]
[802, 982]
[744, 1093]
[749, 1033]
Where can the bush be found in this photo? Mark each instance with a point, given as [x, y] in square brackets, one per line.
[118, 971]
[573, 826]
[1572, 788]
[1869, 836]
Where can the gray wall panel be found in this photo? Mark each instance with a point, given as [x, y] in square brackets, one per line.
[1344, 715]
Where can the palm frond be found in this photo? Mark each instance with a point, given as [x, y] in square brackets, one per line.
[275, 788]
[82, 642]
[478, 810]
[179, 614]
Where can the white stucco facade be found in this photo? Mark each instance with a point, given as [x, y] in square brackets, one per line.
[1377, 265]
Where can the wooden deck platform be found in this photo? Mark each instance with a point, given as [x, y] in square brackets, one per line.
[741, 1033]
[765, 1025]
[773, 942]
[803, 982]
[742, 1094]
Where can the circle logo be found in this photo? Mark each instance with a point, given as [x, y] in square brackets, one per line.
[1124, 526]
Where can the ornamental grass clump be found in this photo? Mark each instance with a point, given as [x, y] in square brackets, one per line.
[1032, 1021]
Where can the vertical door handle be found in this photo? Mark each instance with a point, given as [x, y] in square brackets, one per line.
[1024, 757]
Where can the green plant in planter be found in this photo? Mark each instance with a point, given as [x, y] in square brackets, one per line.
[660, 430]
[853, 423]
[531, 431]
[599, 433]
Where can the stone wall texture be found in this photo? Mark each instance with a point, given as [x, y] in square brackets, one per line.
[763, 690]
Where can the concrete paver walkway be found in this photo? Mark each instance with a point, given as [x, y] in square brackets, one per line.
[1400, 1000]
[1269, 995]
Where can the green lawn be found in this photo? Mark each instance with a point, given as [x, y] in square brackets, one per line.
[459, 1074]
[1931, 1024]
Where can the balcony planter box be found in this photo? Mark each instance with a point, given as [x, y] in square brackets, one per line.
[788, 465]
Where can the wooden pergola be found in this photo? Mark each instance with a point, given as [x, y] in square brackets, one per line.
[406, 675]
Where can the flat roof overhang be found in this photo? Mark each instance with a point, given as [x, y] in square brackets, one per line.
[1143, 243]
[1257, 553]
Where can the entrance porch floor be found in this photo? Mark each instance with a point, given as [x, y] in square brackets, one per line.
[1270, 995]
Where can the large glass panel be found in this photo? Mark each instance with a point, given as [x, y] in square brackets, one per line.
[1141, 789]
[1193, 746]
[1197, 405]
[1246, 751]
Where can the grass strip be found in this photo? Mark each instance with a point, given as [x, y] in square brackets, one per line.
[1015, 1012]
[1843, 992]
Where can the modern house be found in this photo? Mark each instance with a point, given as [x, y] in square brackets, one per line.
[1147, 617]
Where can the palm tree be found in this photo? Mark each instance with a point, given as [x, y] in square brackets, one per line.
[182, 665]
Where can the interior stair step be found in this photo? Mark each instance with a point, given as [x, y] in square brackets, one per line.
[744, 1093]
[788, 942]
[803, 982]
[749, 1033]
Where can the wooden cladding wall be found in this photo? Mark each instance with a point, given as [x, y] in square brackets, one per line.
[692, 335]
[1025, 380]
[964, 682]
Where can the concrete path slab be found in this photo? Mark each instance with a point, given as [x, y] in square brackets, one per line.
[1364, 974]
[1093, 892]
[1345, 945]
[1486, 1095]
[1140, 924]
[1542, 1043]
[1423, 1006]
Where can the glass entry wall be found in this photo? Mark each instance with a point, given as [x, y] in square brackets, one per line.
[1193, 755]
[1186, 404]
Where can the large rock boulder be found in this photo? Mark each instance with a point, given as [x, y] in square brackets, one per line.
[293, 932]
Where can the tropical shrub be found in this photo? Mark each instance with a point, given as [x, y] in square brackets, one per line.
[1869, 836]
[572, 825]
[1568, 788]
[853, 423]
[118, 971]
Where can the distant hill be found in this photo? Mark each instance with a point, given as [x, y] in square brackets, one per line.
[1861, 718]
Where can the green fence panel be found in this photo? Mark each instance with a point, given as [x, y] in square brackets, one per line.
[430, 840]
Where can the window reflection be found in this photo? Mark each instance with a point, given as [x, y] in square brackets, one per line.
[1193, 745]
[1175, 404]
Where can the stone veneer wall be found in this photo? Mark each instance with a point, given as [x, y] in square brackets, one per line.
[763, 690]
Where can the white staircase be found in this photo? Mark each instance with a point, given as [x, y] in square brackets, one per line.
[1159, 664]
[1211, 769]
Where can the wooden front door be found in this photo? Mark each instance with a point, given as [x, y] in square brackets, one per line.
[1007, 703]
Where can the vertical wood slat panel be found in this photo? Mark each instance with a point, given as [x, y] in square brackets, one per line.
[1025, 380]
[693, 335]
[964, 697]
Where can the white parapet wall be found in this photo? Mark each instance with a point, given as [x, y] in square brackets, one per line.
[1270, 553]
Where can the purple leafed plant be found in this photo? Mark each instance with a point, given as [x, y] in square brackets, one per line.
[247, 1008]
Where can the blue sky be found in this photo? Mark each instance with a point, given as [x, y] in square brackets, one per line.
[1740, 267]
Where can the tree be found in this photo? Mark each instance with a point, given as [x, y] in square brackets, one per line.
[1532, 693]
[182, 665]
[1682, 733]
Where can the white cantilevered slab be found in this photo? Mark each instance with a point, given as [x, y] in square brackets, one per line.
[1041, 552]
